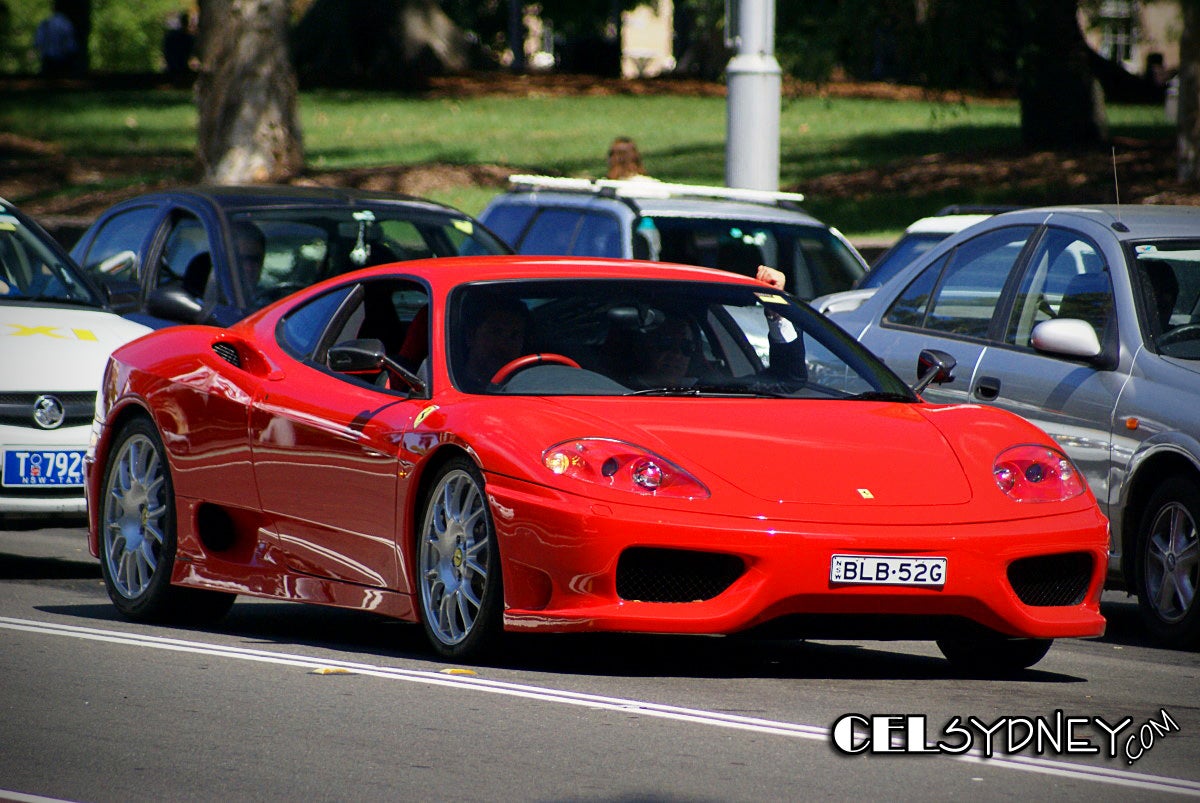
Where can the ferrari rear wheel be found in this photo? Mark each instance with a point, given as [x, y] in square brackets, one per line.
[458, 565]
[991, 654]
[137, 534]
[1168, 563]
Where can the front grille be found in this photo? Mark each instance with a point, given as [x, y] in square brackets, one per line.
[16, 409]
[1051, 580]
[227, 353]
[649, 574]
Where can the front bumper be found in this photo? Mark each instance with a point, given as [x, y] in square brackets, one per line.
[561, 556]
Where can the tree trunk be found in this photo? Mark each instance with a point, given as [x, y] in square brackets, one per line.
[246, 93]
[1188, 108]
[1061, 103]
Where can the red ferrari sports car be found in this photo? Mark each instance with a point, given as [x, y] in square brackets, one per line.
[560, 444]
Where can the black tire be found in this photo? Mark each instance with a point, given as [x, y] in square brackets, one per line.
[458, 565]
[1167, 564]
[989, 654]
[137, 534]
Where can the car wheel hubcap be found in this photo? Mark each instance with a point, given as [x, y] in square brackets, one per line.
[135, 516]
[454, 557]
[1172, 562]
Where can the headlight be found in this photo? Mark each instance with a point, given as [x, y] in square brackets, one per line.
[623, 466]
[1033, 473]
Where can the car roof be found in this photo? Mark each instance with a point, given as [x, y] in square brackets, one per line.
[651, 197]
[1133, 222]
[238, 196]
[450, 271]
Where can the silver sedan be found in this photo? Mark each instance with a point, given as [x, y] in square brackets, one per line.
[1087, 322]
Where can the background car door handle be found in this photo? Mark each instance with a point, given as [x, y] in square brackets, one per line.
[987, 388]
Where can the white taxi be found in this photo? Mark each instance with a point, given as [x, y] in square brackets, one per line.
[55, 337]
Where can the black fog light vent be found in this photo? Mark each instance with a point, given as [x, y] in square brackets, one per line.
[651, 574]
[1048, 581]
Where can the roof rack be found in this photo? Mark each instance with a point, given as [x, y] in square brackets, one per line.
[650, 188]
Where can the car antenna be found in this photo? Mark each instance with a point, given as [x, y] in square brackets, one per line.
[1118, 225]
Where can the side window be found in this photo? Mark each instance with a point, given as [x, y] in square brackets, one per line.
[114, 255]
[186, 257]
[552, 232]
[300, 332]
[909, 308]
[1065, 278]
[965, 299]
[509, 220]
[599, 236]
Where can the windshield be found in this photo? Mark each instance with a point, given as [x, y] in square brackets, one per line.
[283, 250]
[814, 260]
[30, 269]
[1168, 278]
[651, 337]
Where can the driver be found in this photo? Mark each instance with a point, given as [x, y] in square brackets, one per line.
[494, 337]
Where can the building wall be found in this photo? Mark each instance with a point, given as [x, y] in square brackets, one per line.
[1156, 27]
[646, 40]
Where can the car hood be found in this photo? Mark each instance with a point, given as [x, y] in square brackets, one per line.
[57, 348]
[805, 451]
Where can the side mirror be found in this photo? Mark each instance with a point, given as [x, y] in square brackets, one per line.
[356, 356]
[366, 356]
[1067, 337]
[933, 366]
[174, 303]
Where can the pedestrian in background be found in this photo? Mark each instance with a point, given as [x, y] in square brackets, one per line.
[56, 44]
[624, 160]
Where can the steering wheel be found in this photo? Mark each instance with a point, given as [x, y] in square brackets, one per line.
[512, 367]
[1189, 331]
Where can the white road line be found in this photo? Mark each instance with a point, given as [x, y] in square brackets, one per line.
[712, 718]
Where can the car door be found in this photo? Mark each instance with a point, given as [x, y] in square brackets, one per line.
[326, 447]
[1072, 399]
[113, 255]
[951, 305]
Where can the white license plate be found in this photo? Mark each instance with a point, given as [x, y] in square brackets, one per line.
[895, 570]
[32, 467]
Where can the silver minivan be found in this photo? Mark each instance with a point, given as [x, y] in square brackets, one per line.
[1085, 321]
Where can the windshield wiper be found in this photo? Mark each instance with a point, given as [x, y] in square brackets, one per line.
[880, 395]
[666, 391]
[711, 390]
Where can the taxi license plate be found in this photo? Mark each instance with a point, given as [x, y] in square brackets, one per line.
[33, 467]
[896, 570]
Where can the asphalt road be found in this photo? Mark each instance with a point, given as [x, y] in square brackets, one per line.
[290, 702]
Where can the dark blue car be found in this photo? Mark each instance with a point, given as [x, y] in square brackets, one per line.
[215, 254]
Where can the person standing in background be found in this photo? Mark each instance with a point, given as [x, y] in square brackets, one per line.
[56, 44]
[624, 160]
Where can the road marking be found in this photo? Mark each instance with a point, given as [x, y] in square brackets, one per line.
[1064, 769]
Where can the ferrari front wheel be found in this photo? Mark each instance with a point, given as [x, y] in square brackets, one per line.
[458, 565]
[991, 654]
[137, 534]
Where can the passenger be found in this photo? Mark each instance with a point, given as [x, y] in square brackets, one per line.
[663, 356]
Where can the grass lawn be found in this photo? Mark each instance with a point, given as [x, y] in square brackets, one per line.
[152, 132]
